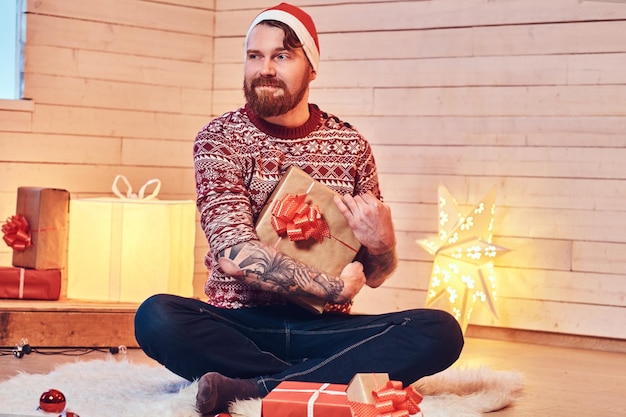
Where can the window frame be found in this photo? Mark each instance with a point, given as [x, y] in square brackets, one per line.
[20, 43]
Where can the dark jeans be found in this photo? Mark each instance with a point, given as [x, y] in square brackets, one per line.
[278, 343]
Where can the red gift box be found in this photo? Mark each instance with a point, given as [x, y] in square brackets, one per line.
[306, 399]
[30, 284]
[46, 211]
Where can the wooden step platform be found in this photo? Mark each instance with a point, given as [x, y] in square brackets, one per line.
[67, 323]
[73, 323]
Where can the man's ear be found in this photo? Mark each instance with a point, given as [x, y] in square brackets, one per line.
[312, 75]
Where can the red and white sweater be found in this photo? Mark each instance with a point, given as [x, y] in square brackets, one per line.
[239, 160]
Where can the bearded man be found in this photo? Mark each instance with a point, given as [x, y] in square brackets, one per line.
[247, 337]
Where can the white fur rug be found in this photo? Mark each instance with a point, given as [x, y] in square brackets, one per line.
[119, 388]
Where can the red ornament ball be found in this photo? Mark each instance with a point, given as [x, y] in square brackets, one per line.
[69, 414]
[52, 401]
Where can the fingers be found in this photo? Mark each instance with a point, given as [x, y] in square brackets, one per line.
[352, 204]
[369, 199]
[357, 205]
[352, 268]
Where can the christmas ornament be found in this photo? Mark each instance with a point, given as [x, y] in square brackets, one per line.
[463, 272]
[52, 401]
[69, 414]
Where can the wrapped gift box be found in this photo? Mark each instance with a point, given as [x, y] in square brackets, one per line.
[329, 255]
[46, 210]
[362, 385]
[30, 284]
[127, 250]
[306, 399]
[372, 394]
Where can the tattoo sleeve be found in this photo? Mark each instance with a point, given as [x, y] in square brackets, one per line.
[265, 268]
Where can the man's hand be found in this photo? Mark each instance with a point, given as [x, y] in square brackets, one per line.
[370, 220]
[353, 279]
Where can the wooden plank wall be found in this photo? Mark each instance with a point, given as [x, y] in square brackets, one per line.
[117, 87]
[526, 95]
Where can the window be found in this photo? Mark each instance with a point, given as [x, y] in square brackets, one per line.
[12, 38]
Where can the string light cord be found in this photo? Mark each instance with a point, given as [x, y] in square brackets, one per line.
[75, 351]
[23, 348]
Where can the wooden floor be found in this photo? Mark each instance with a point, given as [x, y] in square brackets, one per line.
[560, 382]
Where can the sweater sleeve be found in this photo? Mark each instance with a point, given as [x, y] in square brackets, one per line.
[222, 197]
[366, 178]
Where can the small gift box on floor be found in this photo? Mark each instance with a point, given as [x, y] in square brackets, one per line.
[130, 247]
[30, 284]
[301, 220]
[306, 399]
[373, 394]
[38, 232]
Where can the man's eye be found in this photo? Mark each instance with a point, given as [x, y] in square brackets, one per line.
[282, 56]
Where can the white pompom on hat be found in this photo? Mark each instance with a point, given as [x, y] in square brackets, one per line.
[301, 23]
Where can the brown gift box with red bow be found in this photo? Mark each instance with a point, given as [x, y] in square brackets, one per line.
[46, 211]
[373, 395]
[328, 254]
[30, 284]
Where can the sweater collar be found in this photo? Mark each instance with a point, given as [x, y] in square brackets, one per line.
[282, 132]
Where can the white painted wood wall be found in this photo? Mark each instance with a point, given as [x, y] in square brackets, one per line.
[526, 95]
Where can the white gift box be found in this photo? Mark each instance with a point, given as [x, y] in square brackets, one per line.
[129, 249]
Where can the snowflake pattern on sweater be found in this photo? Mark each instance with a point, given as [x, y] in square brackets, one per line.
[239, 160]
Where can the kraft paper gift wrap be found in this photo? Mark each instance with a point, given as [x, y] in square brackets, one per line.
[30, 284]
[127, 249]
[46, 211]
[329, 255]
[362, 385]
[374, 395]
[306, 399]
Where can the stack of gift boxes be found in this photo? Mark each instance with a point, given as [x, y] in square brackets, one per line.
[367, 395]
[104, 249]
[37, 234]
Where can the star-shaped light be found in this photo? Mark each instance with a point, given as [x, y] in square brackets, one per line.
[463, 272]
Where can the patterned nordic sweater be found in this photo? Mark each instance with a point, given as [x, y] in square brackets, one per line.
[239, 160]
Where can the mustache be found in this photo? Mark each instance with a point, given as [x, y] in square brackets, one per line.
[265, 82]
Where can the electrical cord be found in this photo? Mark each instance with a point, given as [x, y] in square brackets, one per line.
[23, 348]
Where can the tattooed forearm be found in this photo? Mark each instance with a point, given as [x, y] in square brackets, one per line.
[378, 268]
[265, 268]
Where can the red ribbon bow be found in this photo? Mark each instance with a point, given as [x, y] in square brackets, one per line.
[393, 401]
[297, 219]
[17, 232]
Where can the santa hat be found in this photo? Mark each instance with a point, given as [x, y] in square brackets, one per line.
[300, 22]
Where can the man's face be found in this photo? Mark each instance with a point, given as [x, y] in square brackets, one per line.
[276, 80]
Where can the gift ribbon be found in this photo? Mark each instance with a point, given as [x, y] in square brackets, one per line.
[393, 401]
[390, 401]
[315, 393]
[293, 217]
[17, 232]
[20, 293]
[141, 194]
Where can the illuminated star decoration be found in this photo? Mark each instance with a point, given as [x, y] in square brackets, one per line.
[463, 272]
